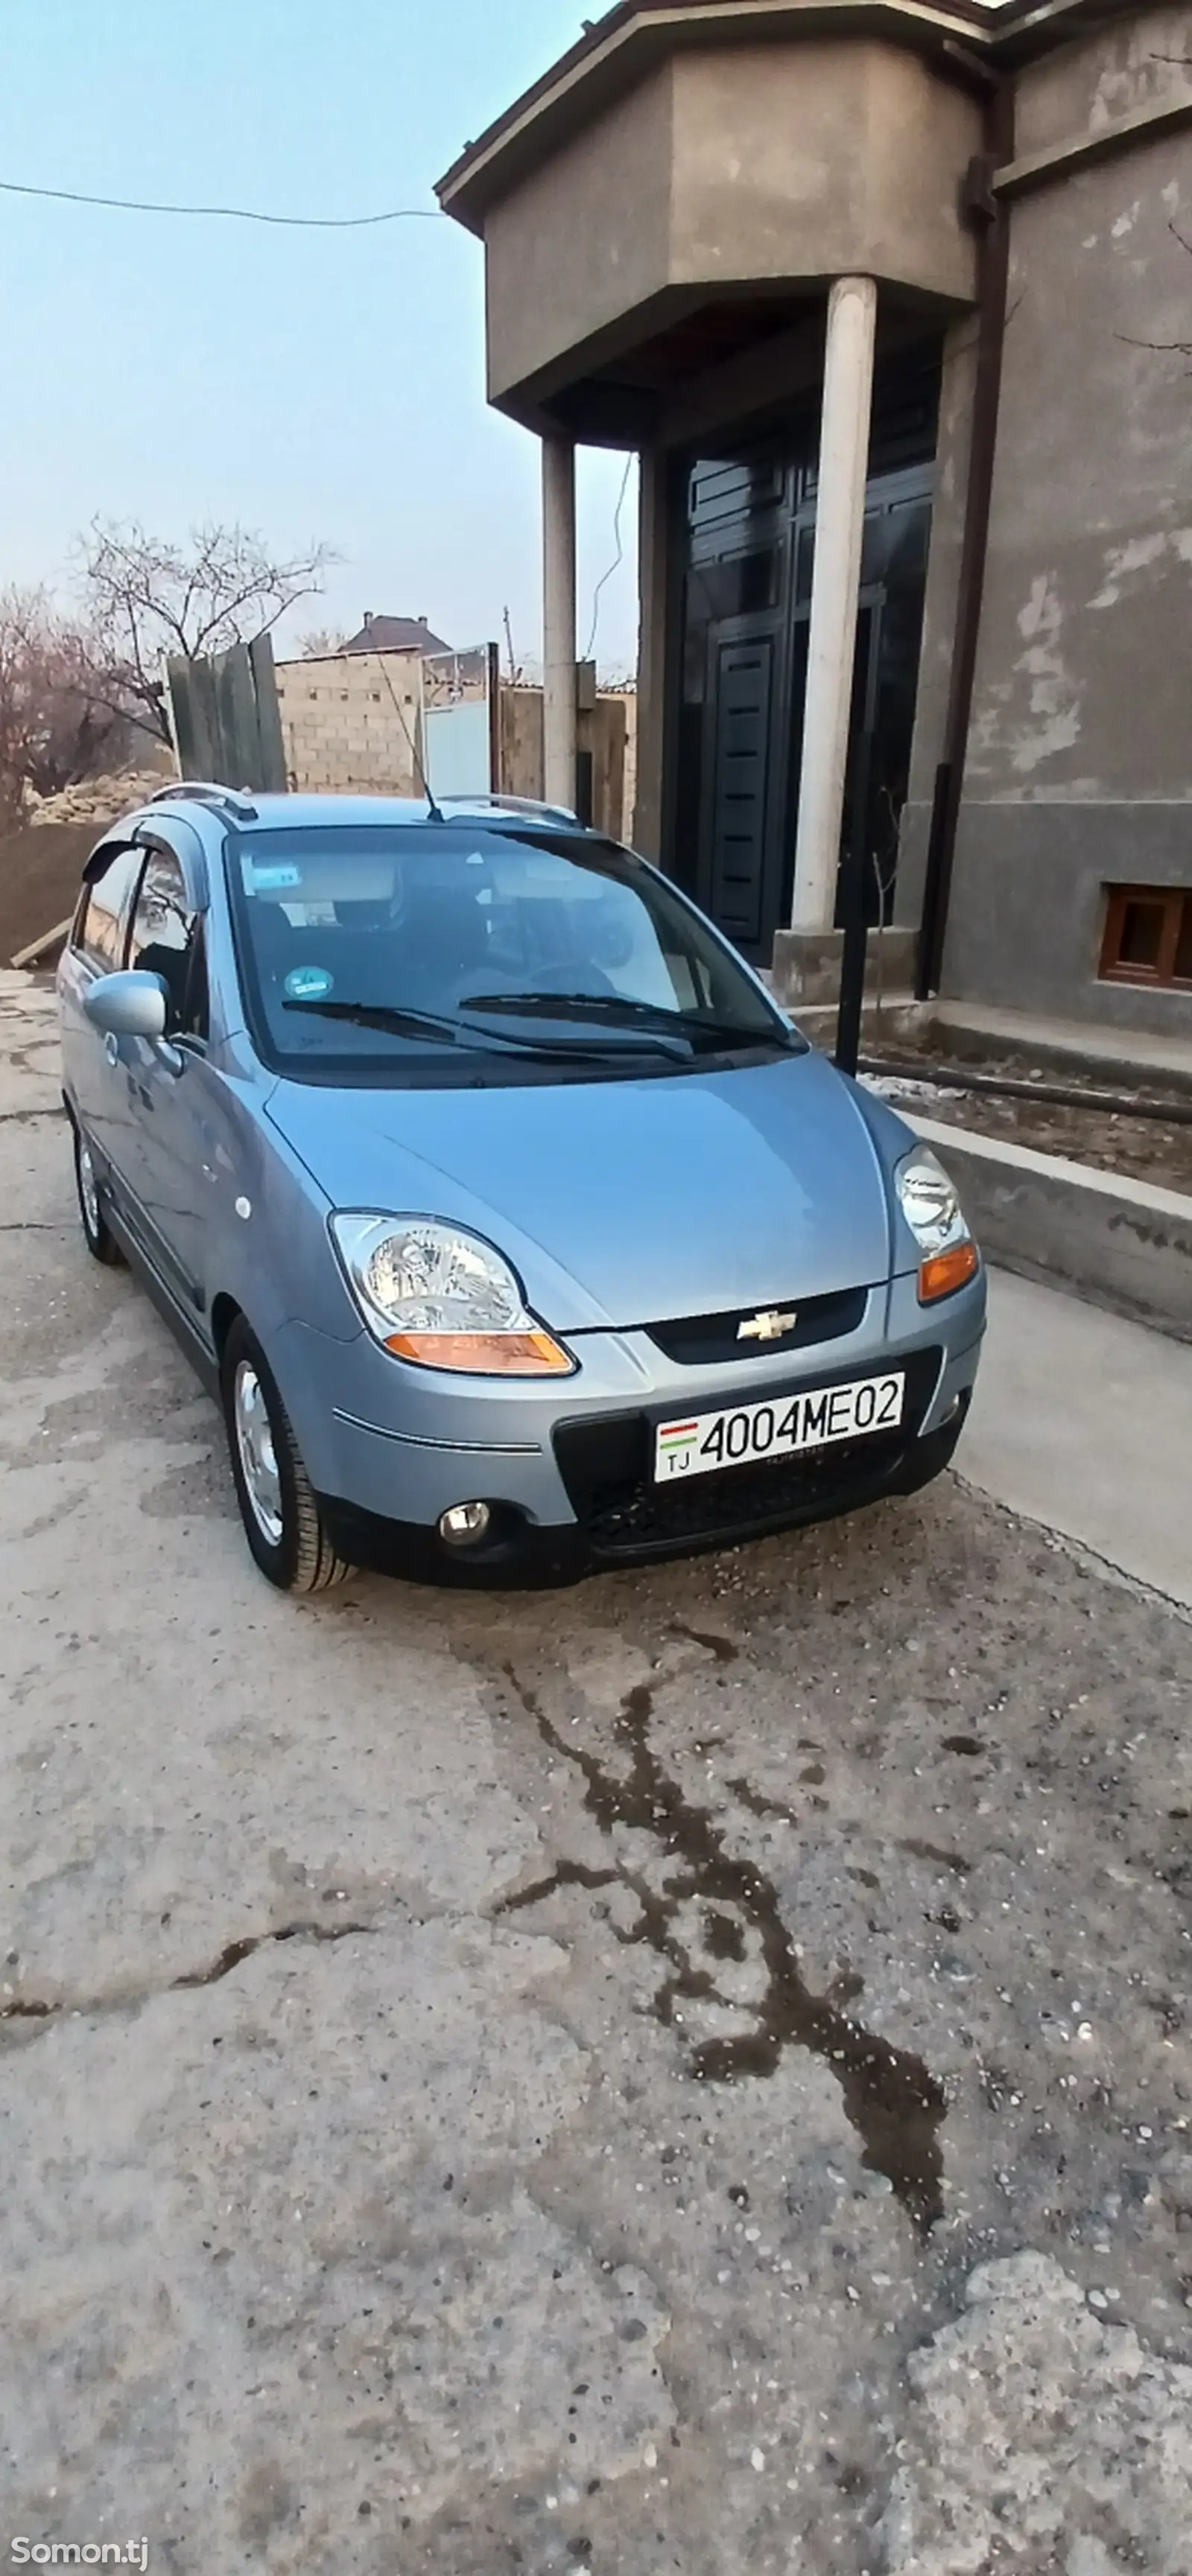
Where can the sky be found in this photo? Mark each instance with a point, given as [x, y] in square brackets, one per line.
[313, 386]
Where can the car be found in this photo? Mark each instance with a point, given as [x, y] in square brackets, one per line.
[515, 1228]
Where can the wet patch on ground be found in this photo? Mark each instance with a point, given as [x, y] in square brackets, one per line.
[895, 2105]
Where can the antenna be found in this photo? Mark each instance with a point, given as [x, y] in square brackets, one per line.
[435, 809]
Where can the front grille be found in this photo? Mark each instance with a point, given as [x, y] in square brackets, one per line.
[607, 1468]
[703, 1341]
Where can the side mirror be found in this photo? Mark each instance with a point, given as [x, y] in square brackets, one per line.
[128, 1006]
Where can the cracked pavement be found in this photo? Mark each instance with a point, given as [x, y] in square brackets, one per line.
[688, 2073]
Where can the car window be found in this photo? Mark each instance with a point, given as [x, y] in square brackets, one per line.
[102, 926]
[166, 940]
[451, 940]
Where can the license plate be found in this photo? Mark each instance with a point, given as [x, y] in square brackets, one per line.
[779, 1428]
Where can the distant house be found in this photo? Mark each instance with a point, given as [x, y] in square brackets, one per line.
[395, 635]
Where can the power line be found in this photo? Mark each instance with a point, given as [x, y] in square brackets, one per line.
[618, 558]
[233, 214]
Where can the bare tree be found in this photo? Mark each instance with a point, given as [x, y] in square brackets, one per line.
[1165, 348]
[321, 643]
[55, 723]
[144, 598]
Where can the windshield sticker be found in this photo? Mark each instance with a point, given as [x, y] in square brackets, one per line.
[308, 984]
[270, 880]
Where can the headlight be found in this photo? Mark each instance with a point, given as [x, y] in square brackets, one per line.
[440, 1297]
[936, 1219]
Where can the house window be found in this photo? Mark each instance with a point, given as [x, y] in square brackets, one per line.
[1148, 935]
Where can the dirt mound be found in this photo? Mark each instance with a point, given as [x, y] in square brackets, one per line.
[100, 800]
[42, 860]
[40, 868]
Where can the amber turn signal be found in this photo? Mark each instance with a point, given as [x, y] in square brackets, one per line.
[483, 1354]
[947, 1271]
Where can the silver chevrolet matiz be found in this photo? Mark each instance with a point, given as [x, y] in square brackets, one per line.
[514, 1228]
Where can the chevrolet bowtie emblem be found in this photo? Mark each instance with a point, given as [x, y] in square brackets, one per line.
[769, 1326]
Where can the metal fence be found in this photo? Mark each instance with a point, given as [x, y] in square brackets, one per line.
[226, 719]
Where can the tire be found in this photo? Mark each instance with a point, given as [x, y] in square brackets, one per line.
[282, 1516]
[97, 1235]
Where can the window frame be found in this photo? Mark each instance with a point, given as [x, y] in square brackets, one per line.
[196, 1005]
[1175, 905]
[93, 876]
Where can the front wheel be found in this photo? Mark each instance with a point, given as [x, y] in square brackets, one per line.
[282, 1516]
[97, 1234]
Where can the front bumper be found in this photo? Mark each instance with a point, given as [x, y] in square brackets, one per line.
[566, 1464]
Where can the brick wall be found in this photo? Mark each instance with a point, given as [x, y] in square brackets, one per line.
[342, 732]
[341, 729]
[608, 731]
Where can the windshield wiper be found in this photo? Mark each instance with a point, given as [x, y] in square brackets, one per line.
[614, 1008]
[401, 1022]
[383, 1015]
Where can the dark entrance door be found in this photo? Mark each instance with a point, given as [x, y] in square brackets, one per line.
[745, 554]
[738, 803]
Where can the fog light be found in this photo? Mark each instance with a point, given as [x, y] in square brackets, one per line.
[464, 1524]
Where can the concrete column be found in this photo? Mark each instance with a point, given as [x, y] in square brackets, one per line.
[651, 651]
[836, 581]
[558, 620]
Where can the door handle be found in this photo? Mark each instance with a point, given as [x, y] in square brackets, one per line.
[111, 1047]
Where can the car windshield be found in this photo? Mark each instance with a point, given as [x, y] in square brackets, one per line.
[464, 952]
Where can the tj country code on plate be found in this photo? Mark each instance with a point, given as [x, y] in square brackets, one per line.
[706, 1442]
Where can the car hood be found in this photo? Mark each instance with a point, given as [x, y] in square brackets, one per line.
[627, 1202]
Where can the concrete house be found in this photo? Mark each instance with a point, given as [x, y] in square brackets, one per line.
[889, 298]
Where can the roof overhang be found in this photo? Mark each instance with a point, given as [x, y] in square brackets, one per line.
[968, 36]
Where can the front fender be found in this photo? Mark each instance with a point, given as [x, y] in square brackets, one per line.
[271, 1251]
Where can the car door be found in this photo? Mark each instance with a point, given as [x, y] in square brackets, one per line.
[164, 1079]
[94, 1076]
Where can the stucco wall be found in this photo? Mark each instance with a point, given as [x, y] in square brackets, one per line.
[1082, 685]
[820, 158]
[1081, 739]
[1079, 768]
[582, 240]
[1136, 63]
[762, 163]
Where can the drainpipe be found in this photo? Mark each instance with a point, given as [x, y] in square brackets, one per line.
[992, 214]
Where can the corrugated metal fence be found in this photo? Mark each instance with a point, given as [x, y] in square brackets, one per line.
[226, 718]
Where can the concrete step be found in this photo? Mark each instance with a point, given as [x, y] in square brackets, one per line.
[901, 1022]
[807, 964]
[1123, 1059]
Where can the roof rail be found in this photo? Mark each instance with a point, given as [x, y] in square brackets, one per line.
[209, 792]
[528, 805]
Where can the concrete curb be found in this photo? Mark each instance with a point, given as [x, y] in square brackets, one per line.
[1123, 1243]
